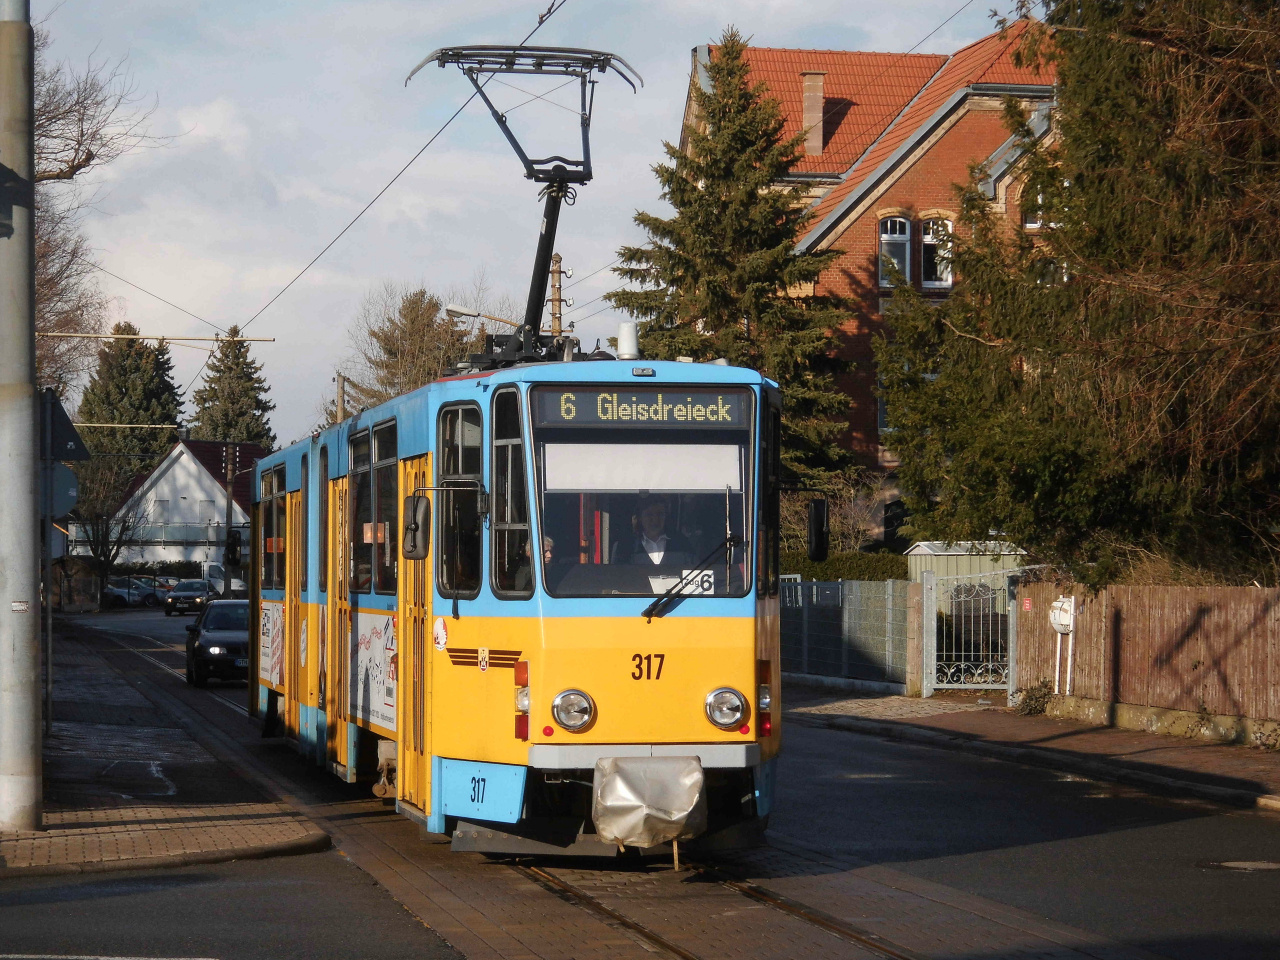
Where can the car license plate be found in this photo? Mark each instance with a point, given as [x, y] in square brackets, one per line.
[242, 661]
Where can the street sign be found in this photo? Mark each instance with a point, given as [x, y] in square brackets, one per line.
[65, 490]
[66, 442]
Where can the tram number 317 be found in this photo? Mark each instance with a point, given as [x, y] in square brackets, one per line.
[477, 789]
[645, 664]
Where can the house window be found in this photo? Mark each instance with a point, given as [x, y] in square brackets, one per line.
[935, 254]
[458, 458]
[895, 249]
[512, 559]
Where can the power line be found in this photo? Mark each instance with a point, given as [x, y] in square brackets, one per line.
[102, 269]
[593, 273]
[555, 7]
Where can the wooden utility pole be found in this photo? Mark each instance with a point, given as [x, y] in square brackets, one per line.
[341, 405]
[557, 299]
[229, 454]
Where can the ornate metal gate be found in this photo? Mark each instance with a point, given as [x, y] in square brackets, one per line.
[969, 631]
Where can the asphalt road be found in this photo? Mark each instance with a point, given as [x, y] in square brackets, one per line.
[1107, 859]
[316, 907]
[1097, 856]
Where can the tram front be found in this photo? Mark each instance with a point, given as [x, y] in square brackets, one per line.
[653, 702]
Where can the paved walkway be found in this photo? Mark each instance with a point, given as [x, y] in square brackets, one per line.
[126, 787]
[1231, 773]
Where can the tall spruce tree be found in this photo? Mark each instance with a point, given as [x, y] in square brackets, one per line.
[133, 384]
[1105, 389]
[722, 278]
[232, 405]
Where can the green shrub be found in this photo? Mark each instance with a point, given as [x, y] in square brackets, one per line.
[847, 566]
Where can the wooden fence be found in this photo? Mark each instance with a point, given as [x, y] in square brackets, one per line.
[1214, 649]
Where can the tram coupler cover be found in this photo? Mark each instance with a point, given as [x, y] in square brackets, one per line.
[646, 801]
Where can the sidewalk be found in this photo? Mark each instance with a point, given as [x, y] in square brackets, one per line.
[126, 788]
[1224, 773]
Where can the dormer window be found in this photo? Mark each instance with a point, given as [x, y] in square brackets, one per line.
[895, 248]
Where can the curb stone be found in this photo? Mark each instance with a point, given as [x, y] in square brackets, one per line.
[316, 841]
[1099, 769]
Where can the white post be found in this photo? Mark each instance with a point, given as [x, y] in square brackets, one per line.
[1071, 645]
[20, 783]
[929, 632]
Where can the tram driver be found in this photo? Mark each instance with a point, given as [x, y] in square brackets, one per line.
[651, 544]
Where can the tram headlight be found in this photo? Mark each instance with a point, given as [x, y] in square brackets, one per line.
[522, 699]
[573, 709]
[726, 707]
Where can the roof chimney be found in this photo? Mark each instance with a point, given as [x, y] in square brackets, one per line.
[813, 105]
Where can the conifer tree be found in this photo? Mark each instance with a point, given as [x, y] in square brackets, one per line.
[1105, 389]
[722, 278]
[133, 384]
[232, 405]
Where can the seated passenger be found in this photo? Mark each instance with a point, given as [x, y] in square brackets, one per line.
[651, 544]
[524, 571]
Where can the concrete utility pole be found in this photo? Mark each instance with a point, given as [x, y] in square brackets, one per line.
[20, 774]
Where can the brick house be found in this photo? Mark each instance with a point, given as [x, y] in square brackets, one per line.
[889, 138]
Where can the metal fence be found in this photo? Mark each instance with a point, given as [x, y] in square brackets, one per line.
[852, 629]
[967, 638]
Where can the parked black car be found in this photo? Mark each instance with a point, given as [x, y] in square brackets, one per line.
[218, 643]
[189, 595]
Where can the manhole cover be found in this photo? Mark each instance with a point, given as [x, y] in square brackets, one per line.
[1246, 865]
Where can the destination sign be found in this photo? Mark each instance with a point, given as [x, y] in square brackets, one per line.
[613, 407]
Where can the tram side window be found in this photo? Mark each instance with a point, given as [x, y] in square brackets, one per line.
[324, 519]
[281, 540]
[305, 557]
[271, 510]
[267, 522]
[512, 559]
[767, 559]
[459, 457]
[386, 501]
[361, 515]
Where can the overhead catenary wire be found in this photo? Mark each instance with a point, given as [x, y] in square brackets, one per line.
[552, 9]
[156, 296]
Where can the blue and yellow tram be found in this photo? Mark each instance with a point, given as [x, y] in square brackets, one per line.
[537, 605]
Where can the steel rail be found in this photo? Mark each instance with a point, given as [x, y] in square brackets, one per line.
[582, 898]
[833, 925]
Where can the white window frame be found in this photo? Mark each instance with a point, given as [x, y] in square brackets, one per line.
[942, 253]
[886, 236]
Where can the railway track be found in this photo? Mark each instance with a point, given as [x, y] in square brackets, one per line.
[696, 877]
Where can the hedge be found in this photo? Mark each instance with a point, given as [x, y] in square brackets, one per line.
[847, 566]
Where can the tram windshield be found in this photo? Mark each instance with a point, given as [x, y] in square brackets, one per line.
[642, 492]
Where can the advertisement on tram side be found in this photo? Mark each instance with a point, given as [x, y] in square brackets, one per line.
[373, 670]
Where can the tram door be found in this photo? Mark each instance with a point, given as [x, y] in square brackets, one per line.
[339, 632]
[414, 642]
[295, 684]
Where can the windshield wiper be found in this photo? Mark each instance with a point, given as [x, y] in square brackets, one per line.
[659, 605]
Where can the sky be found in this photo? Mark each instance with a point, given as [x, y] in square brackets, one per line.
[281, 119]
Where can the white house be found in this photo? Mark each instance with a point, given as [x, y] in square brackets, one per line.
[180, 507]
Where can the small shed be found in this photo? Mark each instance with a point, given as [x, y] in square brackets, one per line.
[967, 558]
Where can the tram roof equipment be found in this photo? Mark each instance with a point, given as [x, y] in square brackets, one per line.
[559, 174]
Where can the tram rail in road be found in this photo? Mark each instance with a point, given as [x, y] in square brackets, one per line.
[877, 946]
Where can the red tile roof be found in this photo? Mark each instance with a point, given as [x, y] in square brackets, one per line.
[210, 454]
[989, 60]
[863, 92]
